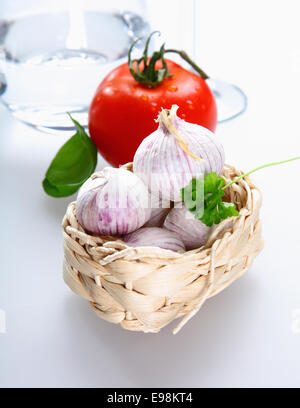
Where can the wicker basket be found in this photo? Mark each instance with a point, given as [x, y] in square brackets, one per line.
[144, 289]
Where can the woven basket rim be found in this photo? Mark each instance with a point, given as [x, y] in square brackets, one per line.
[154, 252]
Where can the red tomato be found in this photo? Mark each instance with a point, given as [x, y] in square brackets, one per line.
[123, 111]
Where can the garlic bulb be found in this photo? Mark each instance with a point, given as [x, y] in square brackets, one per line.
[154, 237]
[191, 231]
[164, 160]
[113, 202]
[159, 210]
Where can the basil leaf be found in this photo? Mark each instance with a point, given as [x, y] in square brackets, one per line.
[72, 166]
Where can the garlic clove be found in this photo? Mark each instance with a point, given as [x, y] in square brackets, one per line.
[191, 231]
[159, 210]
[154, 237]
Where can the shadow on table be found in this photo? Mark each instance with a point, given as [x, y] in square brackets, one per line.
[153, 360]
[56, 207]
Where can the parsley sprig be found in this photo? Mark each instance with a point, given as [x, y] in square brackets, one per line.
[211, 190]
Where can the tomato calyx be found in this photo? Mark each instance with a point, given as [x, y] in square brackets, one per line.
[149, 75]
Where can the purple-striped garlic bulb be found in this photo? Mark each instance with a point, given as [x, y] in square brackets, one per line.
[175, 153]
[154, 237]
[191, 231]
[113, 202]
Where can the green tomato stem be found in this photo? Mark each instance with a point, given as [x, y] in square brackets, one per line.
[185, 57]
[258, 168]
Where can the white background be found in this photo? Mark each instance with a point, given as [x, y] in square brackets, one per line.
[246, 335]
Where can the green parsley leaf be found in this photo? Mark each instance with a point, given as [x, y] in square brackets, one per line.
[193, 193]
[220, 212]
[215, 209]
[74, 163]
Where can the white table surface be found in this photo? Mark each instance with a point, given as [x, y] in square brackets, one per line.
[246, 336]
